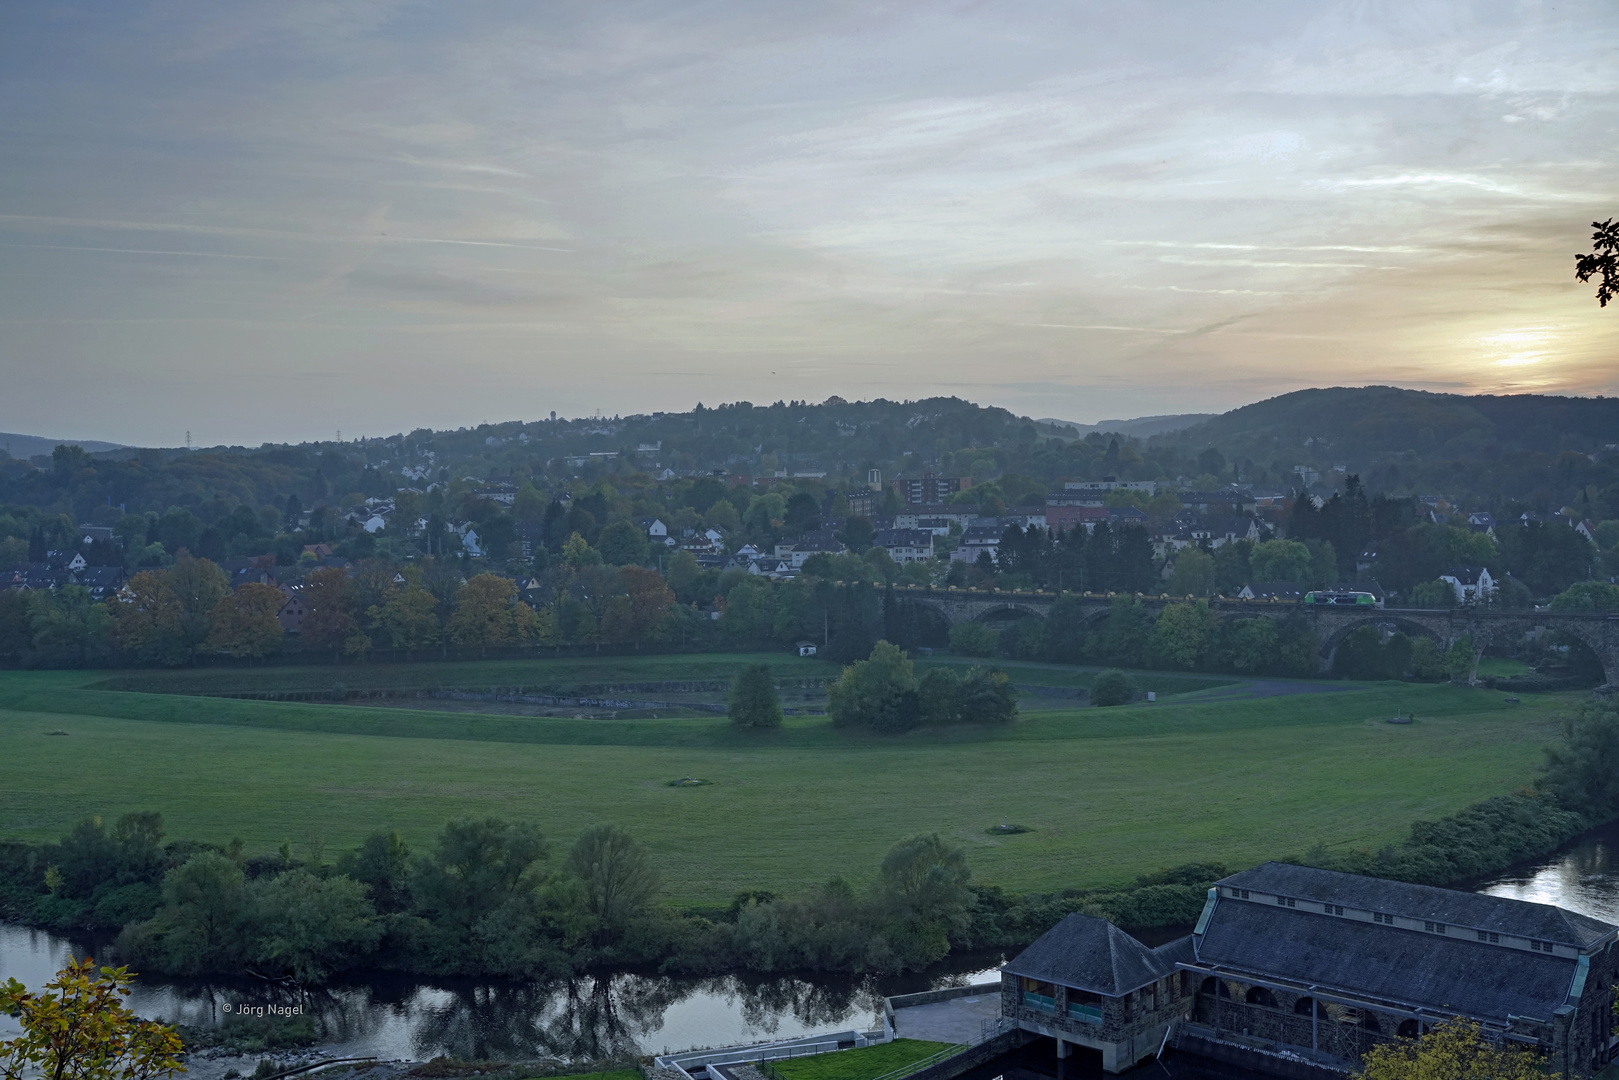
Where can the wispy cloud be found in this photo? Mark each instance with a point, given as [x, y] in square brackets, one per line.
[875, 200]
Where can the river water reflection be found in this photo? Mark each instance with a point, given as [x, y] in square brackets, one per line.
[625, 1013]
[630, 1013]
[1583, 878]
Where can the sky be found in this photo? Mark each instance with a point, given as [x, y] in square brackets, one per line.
[275, 222]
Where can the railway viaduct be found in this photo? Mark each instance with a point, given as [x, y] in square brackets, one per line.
[1332, 624]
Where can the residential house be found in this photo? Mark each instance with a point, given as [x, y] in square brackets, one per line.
[293, 608]
[1473, 584]
[1067, 516]
[1111, 483]
[1230, 530]
[1027, 517]
[818, 542]
[656, 531]
[928, 489]
[981, 538]
[905, 545]
[102, 582]
[863, 503]
[935, 518]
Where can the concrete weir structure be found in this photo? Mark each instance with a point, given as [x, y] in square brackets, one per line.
[1298, 972]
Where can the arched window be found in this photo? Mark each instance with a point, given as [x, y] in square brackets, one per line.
[1258, 995]
[1217, 987]
[1369, 1021]
[1407, 1029]
[1303, 1005]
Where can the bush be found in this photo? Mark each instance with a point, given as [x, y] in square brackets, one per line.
[754, 702]
[973, 639]
[982, 695]
[1112, 688]
[879, 693]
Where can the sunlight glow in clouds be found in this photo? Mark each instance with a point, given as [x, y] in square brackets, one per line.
[272, 222]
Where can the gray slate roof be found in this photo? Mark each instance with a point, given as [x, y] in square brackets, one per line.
[1463, 909]
[1449, 974]
[1092, 954]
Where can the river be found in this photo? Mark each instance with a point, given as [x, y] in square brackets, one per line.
[632, 1013]
[394, 1017]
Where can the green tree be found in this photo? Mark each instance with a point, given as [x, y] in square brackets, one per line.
[1194, 574]
[1253, 645]
[879, 693]
[199, 928]
[1587, 596]
[78, 1028]
[382, 865]
[1125, 636]
[1461, 660]
[199, 585]
[578, 554]
[311, 927]
[925, 888]
[1454, 1050]
[1433, 594]
[623, 544]
[685, 577]
[1282, 560]
[476, 866]
[988, 697]
[617, 875]
[1582, 768]
[753, 701]
[1183, 635]
[408, 618]
[1112, 688]
[973, 639]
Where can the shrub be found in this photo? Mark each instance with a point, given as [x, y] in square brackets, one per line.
[1112, 688]
[754, 702]
[973, 639]
[879, 693]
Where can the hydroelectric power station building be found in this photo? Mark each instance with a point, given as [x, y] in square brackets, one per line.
[1292, 966]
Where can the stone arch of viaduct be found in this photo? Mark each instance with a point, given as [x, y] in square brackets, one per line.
[1332, 625]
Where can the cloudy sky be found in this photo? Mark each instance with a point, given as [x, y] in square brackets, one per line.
[274, 221]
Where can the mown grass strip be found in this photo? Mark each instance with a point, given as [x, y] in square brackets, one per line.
[866, 1063]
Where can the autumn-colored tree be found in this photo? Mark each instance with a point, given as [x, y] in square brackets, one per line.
[487, 612]
[408, 618]
[328, 621]
[1454, 1050]
[78, 1028]
[245, 623]
[146, 619]
[639, 612]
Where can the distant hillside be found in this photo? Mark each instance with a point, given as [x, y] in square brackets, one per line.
[26, 446]
[1367, 423]
[1140, 428]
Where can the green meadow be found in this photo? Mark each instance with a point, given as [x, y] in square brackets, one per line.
[1205, 773]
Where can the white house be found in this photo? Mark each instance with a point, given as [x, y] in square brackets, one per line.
[1472, 583]
[906, 545]
[657, 532]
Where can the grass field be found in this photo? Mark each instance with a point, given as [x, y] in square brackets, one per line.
[1105, 793]
[865, 1063]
